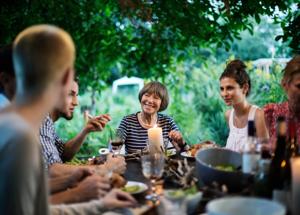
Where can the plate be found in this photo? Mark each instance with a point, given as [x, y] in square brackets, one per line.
[186, 154]
[135, 187]
[171, 152]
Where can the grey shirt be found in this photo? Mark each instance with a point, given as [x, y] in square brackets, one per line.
[22, 183]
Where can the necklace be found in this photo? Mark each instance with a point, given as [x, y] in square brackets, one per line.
[145, 124]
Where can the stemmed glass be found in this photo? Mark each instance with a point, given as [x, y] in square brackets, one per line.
[153, 167]
[115, 143]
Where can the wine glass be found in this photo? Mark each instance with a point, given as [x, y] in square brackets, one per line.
[115, 143]
[153, 167]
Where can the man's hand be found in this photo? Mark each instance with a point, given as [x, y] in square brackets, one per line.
[116, 164]
[92, 187]
[97, 123]
[118, 199]
[78, 175]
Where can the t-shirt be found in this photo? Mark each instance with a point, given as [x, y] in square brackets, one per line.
[135, 136]
[22, 183]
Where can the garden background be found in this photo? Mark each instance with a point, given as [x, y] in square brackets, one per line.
[184, 44]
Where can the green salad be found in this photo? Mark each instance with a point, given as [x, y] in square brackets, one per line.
[131, 188]
[226, 167]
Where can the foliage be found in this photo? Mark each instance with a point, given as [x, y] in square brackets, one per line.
[141, 38]
[196, 105]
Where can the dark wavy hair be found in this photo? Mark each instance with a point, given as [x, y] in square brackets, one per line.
[236, 70]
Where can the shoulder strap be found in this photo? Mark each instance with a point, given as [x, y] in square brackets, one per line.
[251, 115]
[230, 121]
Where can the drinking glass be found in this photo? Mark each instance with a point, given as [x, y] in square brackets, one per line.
[153, 167]
[116, 142]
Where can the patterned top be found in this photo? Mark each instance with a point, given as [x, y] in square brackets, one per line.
[52, 145]
[135, 136]
[272, 111]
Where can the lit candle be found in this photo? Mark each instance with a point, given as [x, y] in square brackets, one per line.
[155, 138]
[295, 164]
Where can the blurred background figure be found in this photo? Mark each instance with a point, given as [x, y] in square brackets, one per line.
[291, 108]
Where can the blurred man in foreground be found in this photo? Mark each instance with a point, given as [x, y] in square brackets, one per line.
[43, 59]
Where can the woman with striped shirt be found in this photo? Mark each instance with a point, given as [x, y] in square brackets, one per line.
[133, 128]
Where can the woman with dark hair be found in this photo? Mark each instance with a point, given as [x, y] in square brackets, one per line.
[291, 108]
[134, 127]
[235, 86]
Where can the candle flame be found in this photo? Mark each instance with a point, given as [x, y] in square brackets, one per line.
[155, 126]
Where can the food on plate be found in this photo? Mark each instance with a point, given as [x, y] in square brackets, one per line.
[117, 181]
[226, 167]
[182, 192]
[131, 188]
[203, 145]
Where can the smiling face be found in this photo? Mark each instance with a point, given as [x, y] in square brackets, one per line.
[150, 103]
[231, 92]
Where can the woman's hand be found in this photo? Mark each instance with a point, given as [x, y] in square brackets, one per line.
[176, 137]
[118, 199]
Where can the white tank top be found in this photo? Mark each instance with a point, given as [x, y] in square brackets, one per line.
[238, 136]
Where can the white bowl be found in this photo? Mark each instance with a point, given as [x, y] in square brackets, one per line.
[244, 206]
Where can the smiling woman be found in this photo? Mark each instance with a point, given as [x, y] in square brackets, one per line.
[134, 127]
[235, 86]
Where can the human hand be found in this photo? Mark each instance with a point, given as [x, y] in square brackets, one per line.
[118, 199]
[176, 137]
[92, 187]
[78, 175]
[116, 164]
[97, 123]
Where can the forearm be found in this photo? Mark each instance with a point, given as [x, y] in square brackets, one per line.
[60, 170]
[73, 145]
[94, 207]
[59, 184]
[65, 197]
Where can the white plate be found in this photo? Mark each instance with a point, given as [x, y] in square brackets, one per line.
[142, 187]
[186, 155]
[244, 206]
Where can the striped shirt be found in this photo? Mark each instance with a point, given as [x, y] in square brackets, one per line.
[52, 145]
[135, 136]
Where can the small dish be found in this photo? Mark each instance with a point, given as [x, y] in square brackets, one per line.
[171, 152]
[135, 187]
[186, 154]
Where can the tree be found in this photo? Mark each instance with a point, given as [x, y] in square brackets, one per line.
[141, 37]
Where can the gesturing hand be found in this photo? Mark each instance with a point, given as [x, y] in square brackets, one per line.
[118, 199]
[97, 123]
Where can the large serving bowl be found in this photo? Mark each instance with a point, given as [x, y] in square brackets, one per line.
[208, 159]
[244, 206]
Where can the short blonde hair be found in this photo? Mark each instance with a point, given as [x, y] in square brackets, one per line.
[41, 54]
[158, 89]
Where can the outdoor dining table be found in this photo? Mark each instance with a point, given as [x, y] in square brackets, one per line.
[134, 173]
